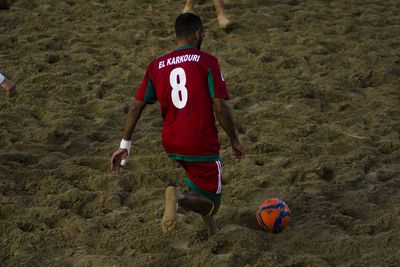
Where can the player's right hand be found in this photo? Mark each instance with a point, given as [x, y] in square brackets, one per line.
[116, 158]
[9, 86]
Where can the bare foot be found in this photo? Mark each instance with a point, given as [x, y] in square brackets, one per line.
[187, 10]
[169, 219]
[223, 22]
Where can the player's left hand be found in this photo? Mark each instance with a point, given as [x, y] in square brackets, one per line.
[116, 158]
[238, 150]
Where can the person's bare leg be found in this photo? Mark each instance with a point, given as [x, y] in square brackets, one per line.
[210, 225]
[222, 19]
[169, 219]
[195, 202]
[189, 6]
[202, 205]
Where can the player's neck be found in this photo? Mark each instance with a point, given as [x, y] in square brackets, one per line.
[185, 42]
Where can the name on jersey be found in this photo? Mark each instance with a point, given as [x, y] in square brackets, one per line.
[177, 60]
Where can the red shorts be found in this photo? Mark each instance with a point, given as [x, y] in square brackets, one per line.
[204, 177]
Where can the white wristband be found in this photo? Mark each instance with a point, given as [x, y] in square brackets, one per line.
[2, 78]
[125, 144]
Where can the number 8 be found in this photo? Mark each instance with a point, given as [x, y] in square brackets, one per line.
[179, 101]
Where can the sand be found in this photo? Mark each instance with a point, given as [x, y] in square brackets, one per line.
[315, 94]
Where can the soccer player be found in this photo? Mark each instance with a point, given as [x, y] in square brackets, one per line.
[190, 88]
[7, 85]
[223, 21]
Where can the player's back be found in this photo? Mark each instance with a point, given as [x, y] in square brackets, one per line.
[184, 82]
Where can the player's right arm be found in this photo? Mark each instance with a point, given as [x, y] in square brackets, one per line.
[122, 152]
[224, 117]
[145, 95]
[135, 111]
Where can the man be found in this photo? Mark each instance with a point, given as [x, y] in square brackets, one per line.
[7, 85]
[190, 88]
[219, 8]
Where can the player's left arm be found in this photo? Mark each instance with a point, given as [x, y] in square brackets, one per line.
[225, 119]
[219, 94]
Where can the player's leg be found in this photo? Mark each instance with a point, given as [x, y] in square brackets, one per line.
[210, 225]
[197, 203]
[204, 181]
[189, 6]
[189, 200]
[202, 205]
[222, 19]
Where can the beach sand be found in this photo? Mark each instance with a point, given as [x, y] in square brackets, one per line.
[314, 89]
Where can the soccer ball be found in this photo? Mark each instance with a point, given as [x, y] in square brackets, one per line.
[273, 215]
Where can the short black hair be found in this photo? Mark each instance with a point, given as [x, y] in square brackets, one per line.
[186, 24]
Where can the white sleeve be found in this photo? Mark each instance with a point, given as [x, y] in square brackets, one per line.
[2, 78]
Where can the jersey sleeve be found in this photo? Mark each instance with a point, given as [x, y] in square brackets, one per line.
[216, 82]
[146, 91]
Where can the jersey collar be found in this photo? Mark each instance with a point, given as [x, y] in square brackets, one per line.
[183, 47]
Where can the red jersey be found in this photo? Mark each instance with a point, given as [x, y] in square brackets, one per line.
[184, 82]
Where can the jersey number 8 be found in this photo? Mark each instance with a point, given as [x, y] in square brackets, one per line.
[179, 93]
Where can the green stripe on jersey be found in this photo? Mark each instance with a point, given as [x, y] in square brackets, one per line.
[150, 97]
[183, 47]
[210, 83]
[194, 158]
[195, 188]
